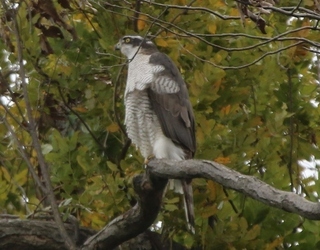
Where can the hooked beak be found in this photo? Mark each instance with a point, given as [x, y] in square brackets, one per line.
[117, 46]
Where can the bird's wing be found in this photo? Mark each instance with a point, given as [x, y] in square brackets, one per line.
[170, 101]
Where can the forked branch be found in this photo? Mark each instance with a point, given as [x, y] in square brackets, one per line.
[134, 221]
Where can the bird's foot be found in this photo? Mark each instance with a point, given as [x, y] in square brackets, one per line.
[148, 159]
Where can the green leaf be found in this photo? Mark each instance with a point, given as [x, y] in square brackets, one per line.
[46, 148]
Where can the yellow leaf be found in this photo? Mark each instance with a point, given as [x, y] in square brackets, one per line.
[253, 233]
[209, 211]
[34, 153]
[217, 58]
[173, 200]
[211, 187]
[243, 224]
[33, 161]
[5, 174]
[113, 127]
[113, 167]
[161, 42]
[200, 136]
[170, 207]
[212, 28]
[274, 244]
[22, 177]
[234, 12]
[97, 222]
[198, 78]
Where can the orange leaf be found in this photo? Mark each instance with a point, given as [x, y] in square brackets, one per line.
[80, 109]
[142, 22]
[222, 160]
[226, 109]
[276, 243]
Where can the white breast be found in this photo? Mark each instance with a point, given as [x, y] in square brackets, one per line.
[141, 73]
[143, 126]
[141, 122]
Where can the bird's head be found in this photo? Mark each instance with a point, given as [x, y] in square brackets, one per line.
[129, 45]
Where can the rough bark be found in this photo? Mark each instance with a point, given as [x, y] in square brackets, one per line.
[37, 235]
[32, 234]
[248, 185]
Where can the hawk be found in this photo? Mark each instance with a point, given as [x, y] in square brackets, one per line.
[158, 114]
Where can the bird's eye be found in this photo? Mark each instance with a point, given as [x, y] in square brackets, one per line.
[127, 40]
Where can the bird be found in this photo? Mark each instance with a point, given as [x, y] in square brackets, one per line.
[159, 118]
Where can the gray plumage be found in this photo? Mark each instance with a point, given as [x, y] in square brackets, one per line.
[159, 118]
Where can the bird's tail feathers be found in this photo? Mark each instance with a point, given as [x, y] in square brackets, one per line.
[184, 188]
[188, 203]
[176, 186]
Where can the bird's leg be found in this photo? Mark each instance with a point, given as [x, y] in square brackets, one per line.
[148, 159]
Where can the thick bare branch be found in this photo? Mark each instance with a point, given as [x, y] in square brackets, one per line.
[150, 188]
[248, 185]
[36, 234]
[134, 221]
[41, 234]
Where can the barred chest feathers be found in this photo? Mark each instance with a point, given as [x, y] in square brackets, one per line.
[143, 126]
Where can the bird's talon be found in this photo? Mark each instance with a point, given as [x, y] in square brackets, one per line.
[149, 158]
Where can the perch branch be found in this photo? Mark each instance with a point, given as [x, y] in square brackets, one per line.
[248, 185]
[149, 188]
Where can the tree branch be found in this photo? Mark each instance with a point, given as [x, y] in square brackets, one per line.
[150, 187]
[248, 185]
[36, 234]
[35, 141]
[134, 221]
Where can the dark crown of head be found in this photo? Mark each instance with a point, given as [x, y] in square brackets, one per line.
[138, 41]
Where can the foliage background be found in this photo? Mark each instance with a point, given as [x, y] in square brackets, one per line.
[254, 95]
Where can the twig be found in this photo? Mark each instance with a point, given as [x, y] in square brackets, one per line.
[291, 127]
[185, 11]
[78, 116]
[248, 64]
[24, 155]
[188, 34]
[188, 8]
[115, 95]
[36, 144]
